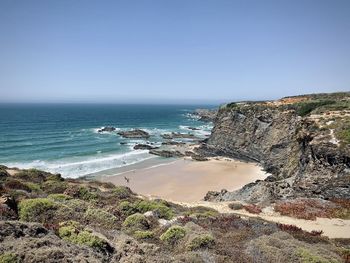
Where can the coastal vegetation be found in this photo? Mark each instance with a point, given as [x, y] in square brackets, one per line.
[107, 223]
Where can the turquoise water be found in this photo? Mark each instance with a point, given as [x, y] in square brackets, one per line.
[64, 138]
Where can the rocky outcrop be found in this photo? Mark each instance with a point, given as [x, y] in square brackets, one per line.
[107, 129]
[144, 147]
[205, 114]
[167, 153]
[177, 135]
[137, 133]
[296, 151]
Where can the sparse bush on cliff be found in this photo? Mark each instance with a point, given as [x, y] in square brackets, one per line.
[86, 194]
[201, 211]
[37, 210]
[18, 185]
[73, 232]
[306, 256]
[59, 197]
[235, 206]
[32, 175]
[146, 234]
[9, 258]
[121, 192]
[136, 222]
[54, 186]
[100, 217]
[173, 234]
[142, 206]
[253, 209]
[202, 241]
[304, 108]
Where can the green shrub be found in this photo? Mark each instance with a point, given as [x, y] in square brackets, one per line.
[37, 210]
[54, 187]
[34, 187]
[86, 194]
[173, 234]
[201, 212]
[16, 184]
[100, 217]
[235, 206]
[136, 222]
[307, 257]
[72, 232]
[32, 175]
[8, 258]
[59, 197]
[142, 206]
[143, 234]
[122, 192]
[79, 206]
[304, 108]
[127, 208]
[203, 241]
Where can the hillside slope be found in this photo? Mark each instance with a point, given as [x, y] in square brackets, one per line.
[303, 141]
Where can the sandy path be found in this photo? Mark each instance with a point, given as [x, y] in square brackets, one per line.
[189, 181]
[333, 228]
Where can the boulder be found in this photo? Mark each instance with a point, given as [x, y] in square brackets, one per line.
[166, 153]
[144, 147]
[136, 133]
[107, 129]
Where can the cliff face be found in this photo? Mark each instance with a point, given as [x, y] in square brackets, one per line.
[307, 155]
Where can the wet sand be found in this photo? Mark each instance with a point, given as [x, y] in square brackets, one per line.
[187, 180]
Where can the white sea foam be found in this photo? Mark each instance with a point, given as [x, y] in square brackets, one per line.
[79, 166]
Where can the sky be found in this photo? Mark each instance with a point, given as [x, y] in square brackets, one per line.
[163, 51]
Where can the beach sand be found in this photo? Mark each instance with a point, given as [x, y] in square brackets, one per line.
[186, 180]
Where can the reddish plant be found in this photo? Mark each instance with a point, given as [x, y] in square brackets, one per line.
[253, 209]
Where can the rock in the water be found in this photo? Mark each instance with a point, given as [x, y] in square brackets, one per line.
[173, 143]
[166, 153]
[177, 135]
[137, 133]
[144, 147]
[107, 129]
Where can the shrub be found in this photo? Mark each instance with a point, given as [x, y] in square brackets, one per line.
[33, 187]
[54, 187]
[3, 172]
[158, 207]
[15, 184]
[122, 192]
[59, 197]
[307, 257]
[201, 212]
[100, 217]
[86, 194]
[304, 108]
[136, 222]
[38, 210]
[142, 206]
[235, 206]
[202, 241]
[9, 258]
[32, 175]
[143, 234]
[72, 232]
[173, 234]
[253, 209]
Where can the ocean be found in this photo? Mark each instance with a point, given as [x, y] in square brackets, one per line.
[64, 138]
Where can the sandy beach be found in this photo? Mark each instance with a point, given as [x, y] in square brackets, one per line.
[188, 181]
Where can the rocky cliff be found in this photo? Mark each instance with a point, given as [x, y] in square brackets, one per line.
[303, 142]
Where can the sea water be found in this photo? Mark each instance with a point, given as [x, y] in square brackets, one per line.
[64, 138]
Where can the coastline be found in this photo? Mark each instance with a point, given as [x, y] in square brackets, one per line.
[185, 180]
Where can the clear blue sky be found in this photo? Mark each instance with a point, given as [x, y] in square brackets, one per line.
[172, 50]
